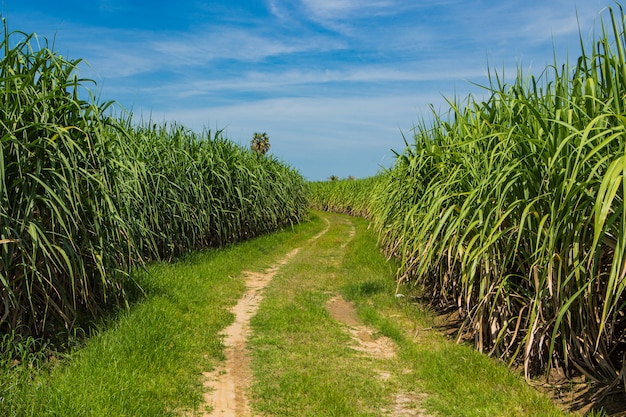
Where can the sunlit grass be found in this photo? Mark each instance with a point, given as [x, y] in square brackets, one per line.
[304, 365]
[148, 361]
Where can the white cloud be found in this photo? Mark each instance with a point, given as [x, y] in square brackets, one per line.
[342, 9]
[235, 44]
[522, 22]
[301, 82]
[335, 78]
[320, 136]
[548, 22]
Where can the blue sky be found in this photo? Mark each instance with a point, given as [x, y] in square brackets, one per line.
[334, 83]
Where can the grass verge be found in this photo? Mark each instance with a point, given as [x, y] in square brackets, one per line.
[148, 360]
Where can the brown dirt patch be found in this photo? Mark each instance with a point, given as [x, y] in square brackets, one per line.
[577, 395]
[365, 338]
[407, 405]
[227, 385]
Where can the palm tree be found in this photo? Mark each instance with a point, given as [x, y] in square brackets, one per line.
[260, 143]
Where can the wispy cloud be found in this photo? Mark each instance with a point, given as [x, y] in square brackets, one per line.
[327, 79]
[548, 22]
[373, 80]
[235, 44]
[121, 54]
[326, 10]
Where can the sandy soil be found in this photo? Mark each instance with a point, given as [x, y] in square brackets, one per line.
[364, 337]
[367, 341]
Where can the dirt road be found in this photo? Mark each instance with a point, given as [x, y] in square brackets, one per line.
[227, 386]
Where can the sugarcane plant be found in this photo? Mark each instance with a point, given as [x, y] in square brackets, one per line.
[86, 196]
[510, 209]
[63, 241]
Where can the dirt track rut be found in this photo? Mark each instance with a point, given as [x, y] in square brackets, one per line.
[226, 386]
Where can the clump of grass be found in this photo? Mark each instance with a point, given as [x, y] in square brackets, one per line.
[17, 351]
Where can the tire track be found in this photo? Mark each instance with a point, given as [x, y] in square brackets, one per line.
[226, 386]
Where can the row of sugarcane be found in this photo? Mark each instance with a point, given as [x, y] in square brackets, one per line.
[86, 196]
[348, 196]
[511, 210]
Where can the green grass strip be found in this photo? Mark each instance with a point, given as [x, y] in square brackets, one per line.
[304, 364]
[149, 360]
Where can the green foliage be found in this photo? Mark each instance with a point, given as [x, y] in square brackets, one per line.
[294, 336]
[349, 196]
[185, 191]
[149, 359]
[63, 241]
[85, 197]
[511, 210]
[260, 143]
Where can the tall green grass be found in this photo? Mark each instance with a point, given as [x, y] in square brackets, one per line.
[348, 196]
[182, 191]
[86, 196]
[511, 210]
[63, 240]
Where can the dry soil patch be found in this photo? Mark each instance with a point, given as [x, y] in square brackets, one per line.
[226, 386]
[365, 338]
